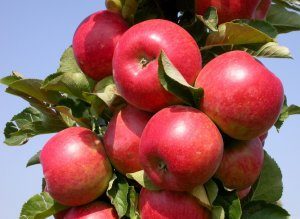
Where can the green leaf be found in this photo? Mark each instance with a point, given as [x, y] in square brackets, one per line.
[172, 80]
[269, 185]
[291, 4]
[235, 209]
[236, 34]
[40, 206]
[68, 117]
[15, 76]
[212, 190]
[68, 62]
[268, 50]
[132, 211]
[210, 19]
[263, 210]
[282, 19]
[35, 159]
[72, 83]
[286, 111]
[117, 192]
[141, 178]
[31, 122]
[218, 212]
[200, 193]
[260, 25]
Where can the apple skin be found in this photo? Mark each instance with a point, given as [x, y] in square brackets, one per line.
[122, 138]
[240, 95]
[262, 9]
[135, 62]
[94, 210]
[180, 148]
[229, 10]
[170, 205]
[241, 164]
[243, 193]
[95, 40]
[75, 166]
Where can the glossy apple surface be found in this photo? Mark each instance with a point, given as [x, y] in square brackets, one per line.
[75, 166]
[241, 164]
[95, 40]
[240, 95]
[94, 210]
[170, 205]
[135, 62]
[229, 10]
[122, 138]
[180, 148]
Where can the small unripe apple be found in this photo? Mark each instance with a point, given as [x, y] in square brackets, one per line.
[241, 95]
[170, 205]
[241, 164]
[135, 62]
[180, 148]
[95, 40]
[94, 210]
[122, 138]
[75, 166]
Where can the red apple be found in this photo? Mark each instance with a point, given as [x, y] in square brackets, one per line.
[180, 148]
[229, 10]
[241, 164]
[75, 166]
[135, 62]
[240, 95]
[94, 210]
[243, 193]
[122, 138]
[94, 42]
[170, 205]
[262, 9]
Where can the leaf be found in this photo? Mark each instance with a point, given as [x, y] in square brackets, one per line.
[291, 4]
[117, 192]
[72, 83]
[31, 122]
[282, 19]
[40, 206]
[141, 178]
[236, 34]
[210, 19]
[15, 76]
[132, 211]
[172, 80]
[211, 190]
[286, 111]
[268, 50]
[263, 210]
[68, 62]
[235, 209]
[260, 25]
[35, 159]
[269, 185]
[70, 119]
[200, 193]
[218, 212]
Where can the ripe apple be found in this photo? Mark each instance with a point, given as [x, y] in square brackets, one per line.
[180, 148]
[122, 138]
[240, 95]
[243, 193]
[95, 40]
[135, 62]
[262, 9]
[229, 10]
[94, 210]
[241, 164]
[75, 166]
[170, 205]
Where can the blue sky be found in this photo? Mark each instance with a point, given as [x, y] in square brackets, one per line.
[33, 35]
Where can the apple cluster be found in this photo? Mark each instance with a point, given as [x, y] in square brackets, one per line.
[178, 146]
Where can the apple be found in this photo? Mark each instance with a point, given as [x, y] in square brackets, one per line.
[262, 9]
[135, 62]
[75, 166]
[243, 193]
[180, 148]
[240, 95]
[95, 40]
[170, 205]
[229, 10]
[122, 138]
[241, 164]
[94, 210]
